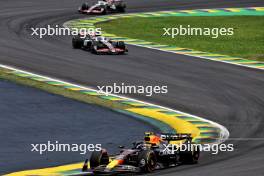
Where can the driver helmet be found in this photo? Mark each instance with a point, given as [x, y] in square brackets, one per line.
[151, 138]
[101, 38]
[94, 34]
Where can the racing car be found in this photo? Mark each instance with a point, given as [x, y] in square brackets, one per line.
[98, 44]
[144, 157]
[103, 7]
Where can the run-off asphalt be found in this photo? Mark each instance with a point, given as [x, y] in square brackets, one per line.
[30, 116]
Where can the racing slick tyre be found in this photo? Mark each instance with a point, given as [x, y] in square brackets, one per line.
[77, 42]
[104, 11]
[93, 49]
[190, 157]
[99, 158]
[85, 6]
[121, 8]
[121, 45]
[147, 161]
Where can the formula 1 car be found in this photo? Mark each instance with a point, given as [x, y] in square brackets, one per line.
[144, 157]
[103, 7]
[98, 44]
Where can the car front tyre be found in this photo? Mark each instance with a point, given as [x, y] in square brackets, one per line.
[98, 158]
[147, 161]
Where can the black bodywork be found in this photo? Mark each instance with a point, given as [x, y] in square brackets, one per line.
[98, 44]
[141, 158]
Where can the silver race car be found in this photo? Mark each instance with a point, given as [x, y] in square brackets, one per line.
[98, 44]
[103, 7]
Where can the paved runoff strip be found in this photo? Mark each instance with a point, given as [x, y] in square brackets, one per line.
[255, 11]
[166, 119]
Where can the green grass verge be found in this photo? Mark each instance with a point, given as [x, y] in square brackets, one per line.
[247, 41]
[6, 75]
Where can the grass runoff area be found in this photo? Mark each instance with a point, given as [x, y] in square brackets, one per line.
[247, 40]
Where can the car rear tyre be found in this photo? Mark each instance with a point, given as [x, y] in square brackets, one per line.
[85, 6]
[121, 9]
[99, 158]
[147, 161]
[104, 11]
[190, 157]
[77, 42]
[121, 45]
[93, 49]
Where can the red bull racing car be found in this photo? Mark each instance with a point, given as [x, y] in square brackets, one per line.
[155, 152]
[98, 44]
[103, 7]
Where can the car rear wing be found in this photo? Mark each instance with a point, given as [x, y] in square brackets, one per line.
[175, 137]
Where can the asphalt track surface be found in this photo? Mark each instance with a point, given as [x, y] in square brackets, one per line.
[230, 95]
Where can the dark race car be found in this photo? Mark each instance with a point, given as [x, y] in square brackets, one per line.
[99, 44]
[103, 7]
[144, 157]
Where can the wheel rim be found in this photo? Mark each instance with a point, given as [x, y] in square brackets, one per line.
[196, 156]
[152, 163]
